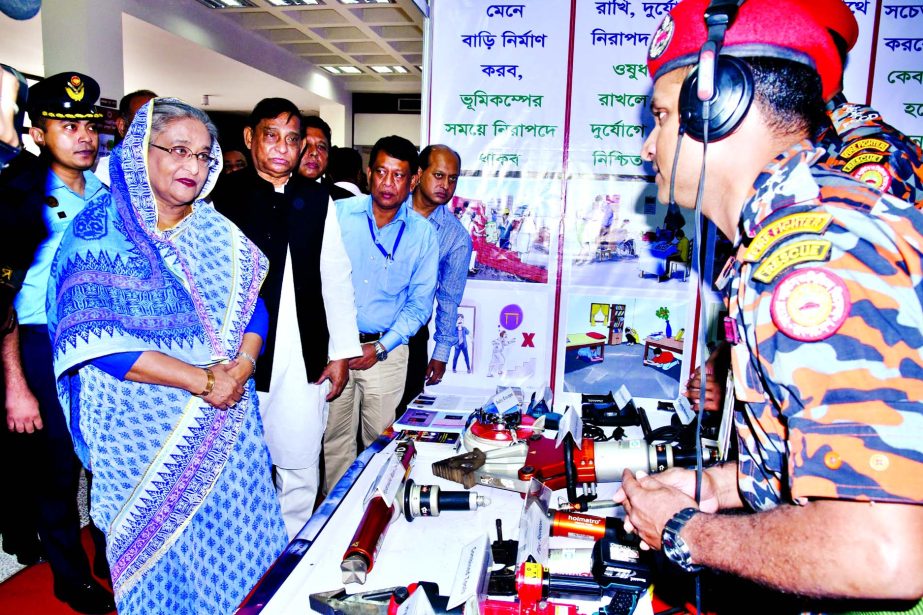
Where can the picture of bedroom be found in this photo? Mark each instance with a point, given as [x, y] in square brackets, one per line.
[638, 342]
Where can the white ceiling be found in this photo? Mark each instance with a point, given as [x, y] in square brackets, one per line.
[335, 34]
[330, 34]
[185, 70]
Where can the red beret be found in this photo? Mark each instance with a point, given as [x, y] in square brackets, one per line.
[784, 29]
[836, 16]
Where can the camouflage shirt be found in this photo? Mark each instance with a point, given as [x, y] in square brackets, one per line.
[826, 294]
[860, 143]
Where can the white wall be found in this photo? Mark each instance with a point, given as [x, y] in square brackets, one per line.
[86, 35]
[220, 33]
[369, 127]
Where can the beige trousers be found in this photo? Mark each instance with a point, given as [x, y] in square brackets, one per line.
[371, 396]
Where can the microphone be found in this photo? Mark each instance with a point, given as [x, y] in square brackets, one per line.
[679, 143]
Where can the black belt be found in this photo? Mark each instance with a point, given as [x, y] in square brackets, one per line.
[368, 338]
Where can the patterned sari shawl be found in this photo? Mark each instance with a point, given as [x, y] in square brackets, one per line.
[120, 285]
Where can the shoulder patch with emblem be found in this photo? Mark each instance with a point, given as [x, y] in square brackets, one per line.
[874, 175]
[774, 232]
[861, 144]
[810, 305]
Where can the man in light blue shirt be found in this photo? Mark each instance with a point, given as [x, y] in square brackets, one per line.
[438, 177]
[394, 257]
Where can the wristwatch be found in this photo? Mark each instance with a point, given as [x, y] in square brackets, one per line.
[674, 547]
[381, 353]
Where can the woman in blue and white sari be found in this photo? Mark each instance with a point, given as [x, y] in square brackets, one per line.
[155, 325]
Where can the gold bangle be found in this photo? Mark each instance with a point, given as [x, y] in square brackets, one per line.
[209, 383]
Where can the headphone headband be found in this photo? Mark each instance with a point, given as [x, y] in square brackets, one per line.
[719, 91]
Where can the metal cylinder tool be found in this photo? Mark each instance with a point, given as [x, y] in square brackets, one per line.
[430, 500]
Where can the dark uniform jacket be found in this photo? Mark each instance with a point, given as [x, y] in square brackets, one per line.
[338, 192]
[278, 222]
[22, 225]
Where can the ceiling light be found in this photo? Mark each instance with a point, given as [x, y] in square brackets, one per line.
[224, 4]
[382, 70]
[332, 69]
[293, 2]
[350, 70]
[366, 1]
[400, 69]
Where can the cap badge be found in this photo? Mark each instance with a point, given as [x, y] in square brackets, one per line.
[662, 37]
[75, 89]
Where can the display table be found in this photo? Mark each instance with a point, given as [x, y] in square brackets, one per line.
[426, 549]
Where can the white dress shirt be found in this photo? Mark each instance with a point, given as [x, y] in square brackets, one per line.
[294, 410]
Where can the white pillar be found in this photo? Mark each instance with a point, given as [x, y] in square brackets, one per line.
[335, 115]
[85, 36]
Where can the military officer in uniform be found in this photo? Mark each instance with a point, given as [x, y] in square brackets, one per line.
[858, 142]
[825, 301]
[64, 120]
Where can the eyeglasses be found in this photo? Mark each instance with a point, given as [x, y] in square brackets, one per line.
[271, 137]
[181, 154]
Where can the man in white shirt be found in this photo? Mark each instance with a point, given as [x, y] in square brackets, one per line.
[308, 294]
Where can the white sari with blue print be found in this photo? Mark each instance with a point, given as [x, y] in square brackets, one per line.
[181, 489]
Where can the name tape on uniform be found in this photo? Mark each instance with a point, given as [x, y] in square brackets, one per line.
[774, 232]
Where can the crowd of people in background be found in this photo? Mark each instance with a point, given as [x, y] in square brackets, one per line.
[205, 304]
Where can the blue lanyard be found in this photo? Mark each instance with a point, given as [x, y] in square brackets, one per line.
[381, 248]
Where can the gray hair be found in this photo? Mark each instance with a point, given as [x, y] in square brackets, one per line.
[169, 110]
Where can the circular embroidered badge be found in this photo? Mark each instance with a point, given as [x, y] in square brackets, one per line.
[662, 37]
[874, 175]
[810, 304]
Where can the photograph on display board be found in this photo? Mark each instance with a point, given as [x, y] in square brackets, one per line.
[638, 342]
[502, 337]
[464, 341]
[512, 226]
[618, 235]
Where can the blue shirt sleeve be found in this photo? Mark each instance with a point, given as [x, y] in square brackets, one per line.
[259, 322]
[116, 365]
[450, 288]
[419, 305]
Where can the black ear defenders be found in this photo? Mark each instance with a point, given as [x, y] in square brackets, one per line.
[718, 92]
[728, 106]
